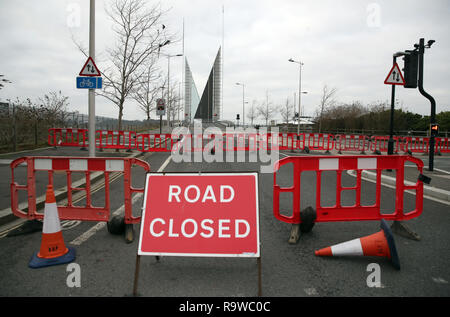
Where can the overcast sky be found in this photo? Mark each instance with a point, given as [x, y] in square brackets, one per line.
[343, 44]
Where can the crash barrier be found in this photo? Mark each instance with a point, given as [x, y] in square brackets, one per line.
[239, 141]
[341, 164]
[69, 165]
[106, 139]
[67, 137]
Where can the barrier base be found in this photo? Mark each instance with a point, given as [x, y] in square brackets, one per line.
[129, 233]
[295, 233]
[37, 262]
[403, 230]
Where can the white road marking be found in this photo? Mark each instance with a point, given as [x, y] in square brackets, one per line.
[412, 192]
[164, 165]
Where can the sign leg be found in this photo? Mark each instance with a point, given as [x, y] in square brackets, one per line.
[136, 274]
[258, 260]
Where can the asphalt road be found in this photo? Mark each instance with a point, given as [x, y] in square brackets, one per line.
[107, 263]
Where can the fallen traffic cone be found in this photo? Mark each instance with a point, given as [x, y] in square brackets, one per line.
[53, 250]
[378, 244]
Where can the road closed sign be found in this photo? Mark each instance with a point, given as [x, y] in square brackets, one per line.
[210, 214]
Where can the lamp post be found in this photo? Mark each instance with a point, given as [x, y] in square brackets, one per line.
[168, 85]
[299, 92]
[243, 103]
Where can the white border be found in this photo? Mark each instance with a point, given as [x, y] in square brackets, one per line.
[243, 255]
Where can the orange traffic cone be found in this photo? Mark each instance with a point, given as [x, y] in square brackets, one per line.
[53, 251]
[378, 244]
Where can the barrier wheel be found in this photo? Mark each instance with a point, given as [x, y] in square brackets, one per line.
[116, 225]
[308, 217]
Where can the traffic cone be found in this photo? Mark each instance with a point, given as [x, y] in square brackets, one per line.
[378, 244]
[53, 251]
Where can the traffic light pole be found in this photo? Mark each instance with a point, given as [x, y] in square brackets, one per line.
[391, 126]
[432, 101]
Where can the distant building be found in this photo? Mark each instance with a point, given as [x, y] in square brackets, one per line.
[208, 107]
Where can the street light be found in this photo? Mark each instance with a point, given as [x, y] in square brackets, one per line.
[243, 103]
[168, 85]
[299, 91]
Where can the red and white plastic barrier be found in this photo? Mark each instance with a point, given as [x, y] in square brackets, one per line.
[340, 164]
[68, 165]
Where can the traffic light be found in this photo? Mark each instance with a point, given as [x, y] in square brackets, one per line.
[237, 117]
[434, 129]
[410, 70]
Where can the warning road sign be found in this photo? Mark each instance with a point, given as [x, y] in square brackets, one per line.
[211, 214]
[395, 76]
[89, 68]
[160, 107]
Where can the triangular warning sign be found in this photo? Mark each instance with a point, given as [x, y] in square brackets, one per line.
[89, 68]
[395, 76]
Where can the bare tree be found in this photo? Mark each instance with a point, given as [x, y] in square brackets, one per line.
[252, 112]
[328, 99]
[174, 104]
[147, 90]
[54, 106]
[140, 35]
[267, 110]
[287, 111]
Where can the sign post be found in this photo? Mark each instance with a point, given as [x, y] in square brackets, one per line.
[201, 215]
[394, 77]
[161, 111]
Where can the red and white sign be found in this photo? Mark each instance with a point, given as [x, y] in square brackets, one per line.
[211, 214]
[90, 69]
[395, 76]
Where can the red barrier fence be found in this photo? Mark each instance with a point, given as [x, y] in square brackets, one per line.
[340, 164]
[115, 139]
[353, 143]
[320, 142]
[69, 165]
[240, 141]
[442, 145]
[67, 137]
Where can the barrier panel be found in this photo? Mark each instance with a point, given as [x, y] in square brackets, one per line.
[379, 143]
[352, 143]
[148, 142]
[68, 165]
[340, 164]
[67, 137]
[442, 145]
[115, 139]
[415, 144]
[320, 142]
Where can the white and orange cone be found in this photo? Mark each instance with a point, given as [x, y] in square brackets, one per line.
[378, 244]
[53, 250]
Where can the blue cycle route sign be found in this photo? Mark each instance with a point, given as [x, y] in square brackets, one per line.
[84, 82]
